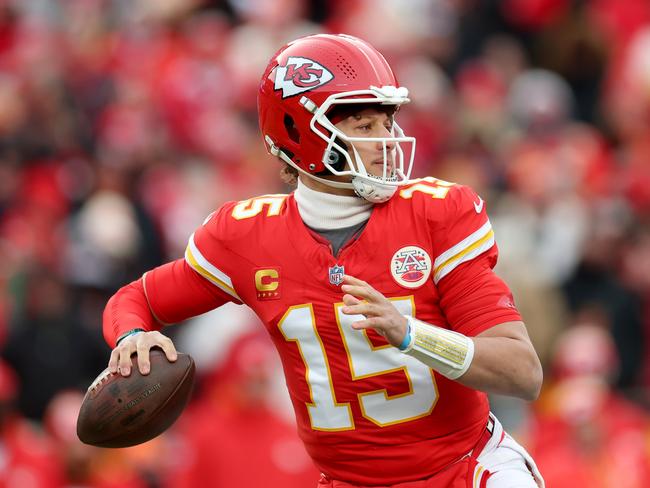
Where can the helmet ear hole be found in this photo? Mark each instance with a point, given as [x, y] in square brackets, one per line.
[335, 158]
[292, 130]
[338, 163]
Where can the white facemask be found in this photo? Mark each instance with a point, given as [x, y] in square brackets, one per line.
[373, 188]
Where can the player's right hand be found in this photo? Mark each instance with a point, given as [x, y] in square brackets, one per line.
[140, 343]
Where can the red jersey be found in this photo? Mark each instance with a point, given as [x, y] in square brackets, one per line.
[367, 413]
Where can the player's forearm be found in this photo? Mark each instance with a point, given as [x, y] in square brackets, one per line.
[500, 360]
[167, 294]
[506, 366]
[126, 310]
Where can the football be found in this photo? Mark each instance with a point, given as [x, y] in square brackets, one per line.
[120, 411]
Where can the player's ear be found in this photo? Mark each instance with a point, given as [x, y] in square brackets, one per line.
[289, 175]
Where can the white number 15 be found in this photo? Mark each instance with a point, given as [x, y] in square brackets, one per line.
[365, 360]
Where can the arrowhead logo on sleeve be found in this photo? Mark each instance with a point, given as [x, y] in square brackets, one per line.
[300, 75]
[411, 266]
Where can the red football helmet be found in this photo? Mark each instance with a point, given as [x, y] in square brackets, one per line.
[307, 78]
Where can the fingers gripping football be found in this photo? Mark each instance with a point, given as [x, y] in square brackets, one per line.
[380, 314]
[140, 343]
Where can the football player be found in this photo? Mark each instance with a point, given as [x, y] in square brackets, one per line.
[376, 289]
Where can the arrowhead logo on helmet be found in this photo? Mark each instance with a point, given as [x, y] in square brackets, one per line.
[300, 75]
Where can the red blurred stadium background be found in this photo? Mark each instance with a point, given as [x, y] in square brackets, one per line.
[124, 123]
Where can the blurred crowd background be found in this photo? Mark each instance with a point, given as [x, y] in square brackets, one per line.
[123, 123]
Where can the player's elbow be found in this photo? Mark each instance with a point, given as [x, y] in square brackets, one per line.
[533, 378]
[526, 371]
[524, 376]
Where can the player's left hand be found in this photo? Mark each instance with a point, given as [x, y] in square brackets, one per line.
[381, 315]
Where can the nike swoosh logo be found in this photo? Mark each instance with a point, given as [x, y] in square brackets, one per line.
[478, 206]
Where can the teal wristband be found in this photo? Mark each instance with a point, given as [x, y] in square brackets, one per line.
[407, 338]
[127, 334]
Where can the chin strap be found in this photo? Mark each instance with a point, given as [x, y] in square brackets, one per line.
[446, 351]
[371, 191]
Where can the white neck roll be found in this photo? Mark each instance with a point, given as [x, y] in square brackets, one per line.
[327, 211]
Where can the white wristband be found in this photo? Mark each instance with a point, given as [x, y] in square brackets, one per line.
[449, 353]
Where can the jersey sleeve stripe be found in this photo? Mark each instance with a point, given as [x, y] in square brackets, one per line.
[468, 241]
[477, 243]
[146, 295]
[202, 266]
[466, 255]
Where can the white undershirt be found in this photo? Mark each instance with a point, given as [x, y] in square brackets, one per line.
[325, 211]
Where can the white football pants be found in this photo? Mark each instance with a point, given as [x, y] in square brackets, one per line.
[511, 466]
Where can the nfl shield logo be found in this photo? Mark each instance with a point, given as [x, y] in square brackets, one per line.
[336, 275]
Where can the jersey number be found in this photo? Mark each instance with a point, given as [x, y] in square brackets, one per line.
[253, 206]
[365, 360]
[431, 186]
